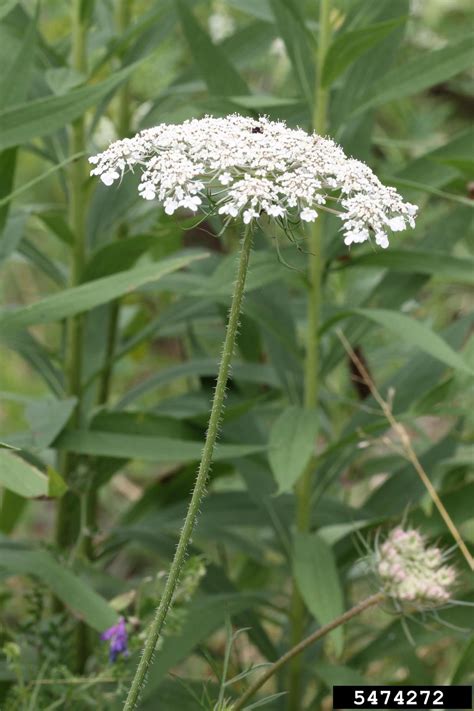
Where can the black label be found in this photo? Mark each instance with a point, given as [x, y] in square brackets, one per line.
[401, 697]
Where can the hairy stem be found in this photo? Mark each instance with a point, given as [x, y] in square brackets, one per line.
[304, 485]
[201, 478]
[295, 651]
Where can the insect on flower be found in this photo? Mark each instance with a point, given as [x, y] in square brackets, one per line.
[240, 167]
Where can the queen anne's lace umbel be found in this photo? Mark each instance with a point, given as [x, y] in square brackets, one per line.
[244, 167]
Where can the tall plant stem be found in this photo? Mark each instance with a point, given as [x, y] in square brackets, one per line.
[123, 17]
[295, 651]
[304, 485]
[201, 478]
[76, 180]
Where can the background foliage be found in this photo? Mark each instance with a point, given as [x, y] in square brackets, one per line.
[96, 469]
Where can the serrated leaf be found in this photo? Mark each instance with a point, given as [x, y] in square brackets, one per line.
[318, 581]
[291, 444]
[82, 298]
[21, 477]
[347, 47]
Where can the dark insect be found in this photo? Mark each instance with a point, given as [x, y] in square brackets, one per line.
[257, 129]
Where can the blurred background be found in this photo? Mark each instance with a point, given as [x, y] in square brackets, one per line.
[400, 81]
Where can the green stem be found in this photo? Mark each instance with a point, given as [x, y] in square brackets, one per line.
[123, 17]
[201, 478]
[304, 485]
[77, 223]
[295, 651]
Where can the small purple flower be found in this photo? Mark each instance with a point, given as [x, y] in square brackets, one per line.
[117, 635]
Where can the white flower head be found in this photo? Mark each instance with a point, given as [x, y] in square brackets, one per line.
[243, 167]
[410, 571]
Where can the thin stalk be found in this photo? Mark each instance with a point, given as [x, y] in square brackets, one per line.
[411, 455]
[123, 18]
[76, 180]
[295, 651]
[201, 478]
[304, 485]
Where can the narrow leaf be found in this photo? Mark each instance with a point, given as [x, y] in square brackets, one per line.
[87, 296]
[421, 73]
[39, 117]
[318, 582]
[347, 47]
[68, 587]
[211, 61]
[20, 477]
[417, 334]
[442, 266]
[291, 443]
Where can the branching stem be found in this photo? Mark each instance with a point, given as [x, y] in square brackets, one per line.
[295, 651]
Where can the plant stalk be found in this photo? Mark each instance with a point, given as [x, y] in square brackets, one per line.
[295, 651]
[123, 18]
[201, 478]
[311, 395]
[76, 181]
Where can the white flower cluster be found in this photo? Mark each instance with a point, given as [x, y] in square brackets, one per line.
[413, 572]
[243, 167]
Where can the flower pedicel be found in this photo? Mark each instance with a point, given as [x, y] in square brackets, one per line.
[242, 166]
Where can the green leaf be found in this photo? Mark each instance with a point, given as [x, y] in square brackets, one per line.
[68, 587]
[87, 296]
[292, 29]
[6, 6]
[152, 449]
[442, 266]
[11, 510]
[46, 418]
[21, 477]
[57, 487]
[465, 664]
[204, 615]
[347, 47]
[318, 582]
[421, 73]
[39, 117]
[417, 334]
[291, 444]
[12, 92]
[20, 68]
[117, 256]
[211, 61]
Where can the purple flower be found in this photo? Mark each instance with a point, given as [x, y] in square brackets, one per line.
[117, 635]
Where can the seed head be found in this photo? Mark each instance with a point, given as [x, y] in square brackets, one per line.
[242, 167]
[410, 571]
